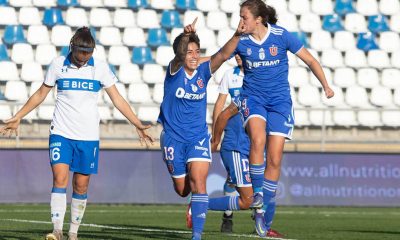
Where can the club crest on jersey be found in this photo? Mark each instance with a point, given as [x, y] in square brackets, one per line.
[249, 51]
[200, 83]
[194, 87]
[273, 50]
[261, 53]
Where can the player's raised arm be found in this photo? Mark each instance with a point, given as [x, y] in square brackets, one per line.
[221, 123]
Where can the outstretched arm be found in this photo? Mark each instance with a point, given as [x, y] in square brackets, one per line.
[220, 125]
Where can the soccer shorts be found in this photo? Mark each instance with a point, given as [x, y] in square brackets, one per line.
[176, 154]
[81, 156]
[237, 167]
[279, 118]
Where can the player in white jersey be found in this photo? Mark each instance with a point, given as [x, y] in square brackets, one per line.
[265, 99]
[74, 130]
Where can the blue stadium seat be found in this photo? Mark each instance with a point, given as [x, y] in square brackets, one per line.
[332, 23]
[3, 53]
[14, 34]
[3, 3]
[93, 32]
[302, 36]
[378, 23]
[64, 51]
[342, 7]
[367, 41]
[142, 55]
[157, 37]
[170, 19]
[113, 69]
[186, 5]
[136, 4]
[67, 3]
[53, 16]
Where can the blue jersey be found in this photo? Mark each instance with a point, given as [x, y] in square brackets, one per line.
[266, 66]
[184, 105]
[235, 137]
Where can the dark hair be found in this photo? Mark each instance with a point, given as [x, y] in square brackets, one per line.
[82, 39]
[259, 9]
[192, 38]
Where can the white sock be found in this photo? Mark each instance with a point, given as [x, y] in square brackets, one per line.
[78, 207]
[58, 206]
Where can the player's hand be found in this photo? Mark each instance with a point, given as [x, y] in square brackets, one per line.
[10, 127]
[144, 137]
[329, 92]
[190, 28]
[241, 29]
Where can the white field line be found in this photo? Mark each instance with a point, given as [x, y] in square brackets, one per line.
[140, 229]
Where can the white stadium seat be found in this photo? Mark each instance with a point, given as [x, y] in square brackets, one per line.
[391, 118]
[117, 115]
[153, 73]
[118, 55]
[147, 18]
[355, 23]
[299, 7]
[390, 78]
[389, 7]
[29, 16]
[287, 20]
[395, 59]
[395, 23]
[212, 93]
[230, 6]
[337, 100]
[20, 3]
[298, 76]
[115, 3]
[190, 15]
[345, 117]
[124, 18]
[8, 71]
[344, 40]
[217, 20]
[162, 4]
[321, 117]
[76, 17]
[121, 89]
[31, 72]
[301, 118]
[355, 58]
[367, 7]
[99, 52]
[357, 96]
[61, 35]
[31, 116]
[309, 96]
[148, 113]
[164, 55]
[322, 7]
[46, 112]
[44, 3]
[321, 40]
[396, 97]
[105, 113]
[35, 86]
[235, 19]
[134, 37]
[381, 97]
[328, 75]
[207, 5]
[310, 22]
[38, 34]
[389, 41]
[139, 93]
[16, 91]
[22, 52]
[45, 53]
[344, 77]
[110, 36]
[368, 77]
[207, 37]
[5, 111]
[378, 59]
[91, 3]
[129, 72]
[158, 92]
[332, 58]
[8, 16]
[369, 118]
[100, 17]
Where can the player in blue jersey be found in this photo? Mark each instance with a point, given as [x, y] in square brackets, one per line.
[266, 104]
[74, 130]
[185, 141]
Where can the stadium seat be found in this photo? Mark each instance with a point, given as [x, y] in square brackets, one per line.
[395, 59]
[343, 7]
[134, 36]
[44, 3]
[67, 3]
[298, 76]
[16, 91]
[117, 115]
[121, 89]
[344, 40]
[231, 6]
[186, 5]
[381, 96]
[158, 92]
[217, 20]
[389, 41]
[321, 40]
[299, 7]
[190, 15]
[224, 35]
[369, 118]
[100, 17]
[389, 7]
[322, 7]
[220, 72]
[52, 17]
[139, 93]
[136, 4]
[157, 37]
[391, 118]
[310, 22]
[115, 4]
[153, 73]
[118, 55]
[105, 114]
[212, 93]
[378, 59]
[38, 34]
[345, 118]
[328, 75]
[164, 55]
[332, 58]
[29, 16]
[321, 117]
[147, 18]
[337, 100]
[207, 5]
[344, 77]
[45, 112]
[8, 16]
[302, 36]
[110, 36]
[332, 23]
[8, 71]
[148, 113]
[309, 96]
[286, 20]
[13, 34]
[124, 18]
[367, 7]
[396, 96]
[3, 53]
[395, 23]
[161, 4]
[21, 52]
[129, 73]
[45, 53]
[368, 77]
[174, 33]
[355, 58]
[76, 17]
[292, 59]
[367, 41]
[20, 3]
[357, 97]
[3, 2]
[355, 23]
[390, 78]
[235, 19]
[170, 19]
[91, 3]
[142, 55]
[5, 111]
[99, 52]
[31, 72]
[207, 37]
[61, 35]
[378, 23]
[65, 50]
[301, 117]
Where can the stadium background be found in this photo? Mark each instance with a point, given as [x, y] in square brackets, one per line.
[345, 150]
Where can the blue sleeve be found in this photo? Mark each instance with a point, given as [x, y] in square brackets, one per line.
[205, 70]
[293, 44]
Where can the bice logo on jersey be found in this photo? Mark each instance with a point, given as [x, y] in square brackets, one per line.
[273, 50]
[200, 83]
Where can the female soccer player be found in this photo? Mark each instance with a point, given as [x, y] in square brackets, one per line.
[74, 130]
[185, 141]
[266, 101]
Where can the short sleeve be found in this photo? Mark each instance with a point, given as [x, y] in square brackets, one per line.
[51, 76]
[205, 70]
[293, 44]
[107, 78]
[223, 87]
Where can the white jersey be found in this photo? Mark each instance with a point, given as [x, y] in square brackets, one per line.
[231, 82]
[76, 114]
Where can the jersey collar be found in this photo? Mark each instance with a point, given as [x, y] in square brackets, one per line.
[67, 61]
[264, 38]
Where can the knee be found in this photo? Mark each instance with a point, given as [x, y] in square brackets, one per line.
[258, 142]
[245, 202]
[80, 188]
[60, 180]
[198, 187]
